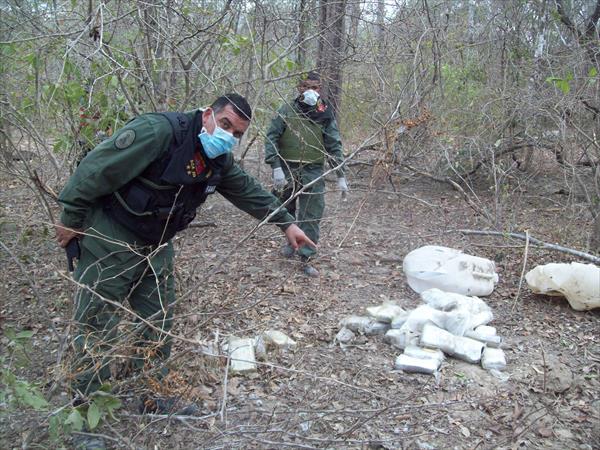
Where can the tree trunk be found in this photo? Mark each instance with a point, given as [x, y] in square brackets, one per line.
[331, 49]
[301, 51]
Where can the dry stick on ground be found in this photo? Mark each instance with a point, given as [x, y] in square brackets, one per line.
[583, 255]
[225, 382]
[545, 368]
[202, 225]
[522, 270]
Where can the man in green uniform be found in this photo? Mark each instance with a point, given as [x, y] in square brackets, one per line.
[126, 200]
[301, 138]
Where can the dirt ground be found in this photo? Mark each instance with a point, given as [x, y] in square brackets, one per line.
[320, 395]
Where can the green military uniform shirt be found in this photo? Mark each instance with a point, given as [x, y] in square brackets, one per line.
[124, 156]
[288, 116]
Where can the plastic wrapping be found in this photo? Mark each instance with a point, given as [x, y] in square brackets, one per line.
[386, 312]
[485, 334]
[424, 353]
[241, 354]
[411, 364]
[450, 270]
[463, 312]
[275, 338]
[579, 283]
[493, 358]
[461, 347]
[364, 325]
[401, 338]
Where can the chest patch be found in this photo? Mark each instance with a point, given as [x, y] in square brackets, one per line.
[125, 139]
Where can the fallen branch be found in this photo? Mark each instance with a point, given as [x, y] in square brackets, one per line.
[202, 225]
[523, 237]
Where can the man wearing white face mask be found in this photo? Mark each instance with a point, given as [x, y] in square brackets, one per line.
[126, 200]
[301, 138]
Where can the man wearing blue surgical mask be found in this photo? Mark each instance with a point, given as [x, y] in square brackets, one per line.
[301, 138]
[126, 200]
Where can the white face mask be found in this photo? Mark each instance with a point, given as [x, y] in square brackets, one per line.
[310, 97]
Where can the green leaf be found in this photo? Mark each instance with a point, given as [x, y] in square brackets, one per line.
[29, 395]
[564, 86]
[93, 416]
[593, 72]
[561, 83]
[10, 334]
[290, 64]
[24, 334]
[75, 420]
[104, 389]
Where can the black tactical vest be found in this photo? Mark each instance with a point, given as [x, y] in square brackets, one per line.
[164, 198]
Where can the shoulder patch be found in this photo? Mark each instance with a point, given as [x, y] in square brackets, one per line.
[125, 139]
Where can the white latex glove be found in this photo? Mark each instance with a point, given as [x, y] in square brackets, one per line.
[278, 179]
[342, 184]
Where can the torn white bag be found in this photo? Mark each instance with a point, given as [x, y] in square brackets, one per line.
[450, 270]
[579, 283]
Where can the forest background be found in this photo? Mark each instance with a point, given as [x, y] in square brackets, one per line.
[478, 101]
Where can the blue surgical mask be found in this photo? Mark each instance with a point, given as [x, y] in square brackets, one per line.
[218, 143]
[310, 97]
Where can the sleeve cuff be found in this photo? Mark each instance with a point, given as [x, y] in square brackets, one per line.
[285, 222]
[70, 221]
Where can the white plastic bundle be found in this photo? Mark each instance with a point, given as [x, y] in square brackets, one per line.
[579, 283]
[450, 270]
[462, 313]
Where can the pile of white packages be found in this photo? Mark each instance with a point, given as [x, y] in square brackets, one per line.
[449, 322]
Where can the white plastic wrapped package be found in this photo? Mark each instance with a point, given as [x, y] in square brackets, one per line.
[386, 312]
[401, 338]
[493, 359]
[411, 364]
[364, 325]
[579, 283]
[421, 315]
[424, 353]
[461, 347]
[462, 313]
[450, 270]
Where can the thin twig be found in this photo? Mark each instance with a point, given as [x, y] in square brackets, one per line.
[545, 369]
[225, 380]
[522, 270]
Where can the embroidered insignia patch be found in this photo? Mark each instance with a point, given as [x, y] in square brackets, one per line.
[125, 139]
[190, 168]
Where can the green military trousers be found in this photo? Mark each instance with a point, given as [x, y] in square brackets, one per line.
[311, 202]
[111, 273]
